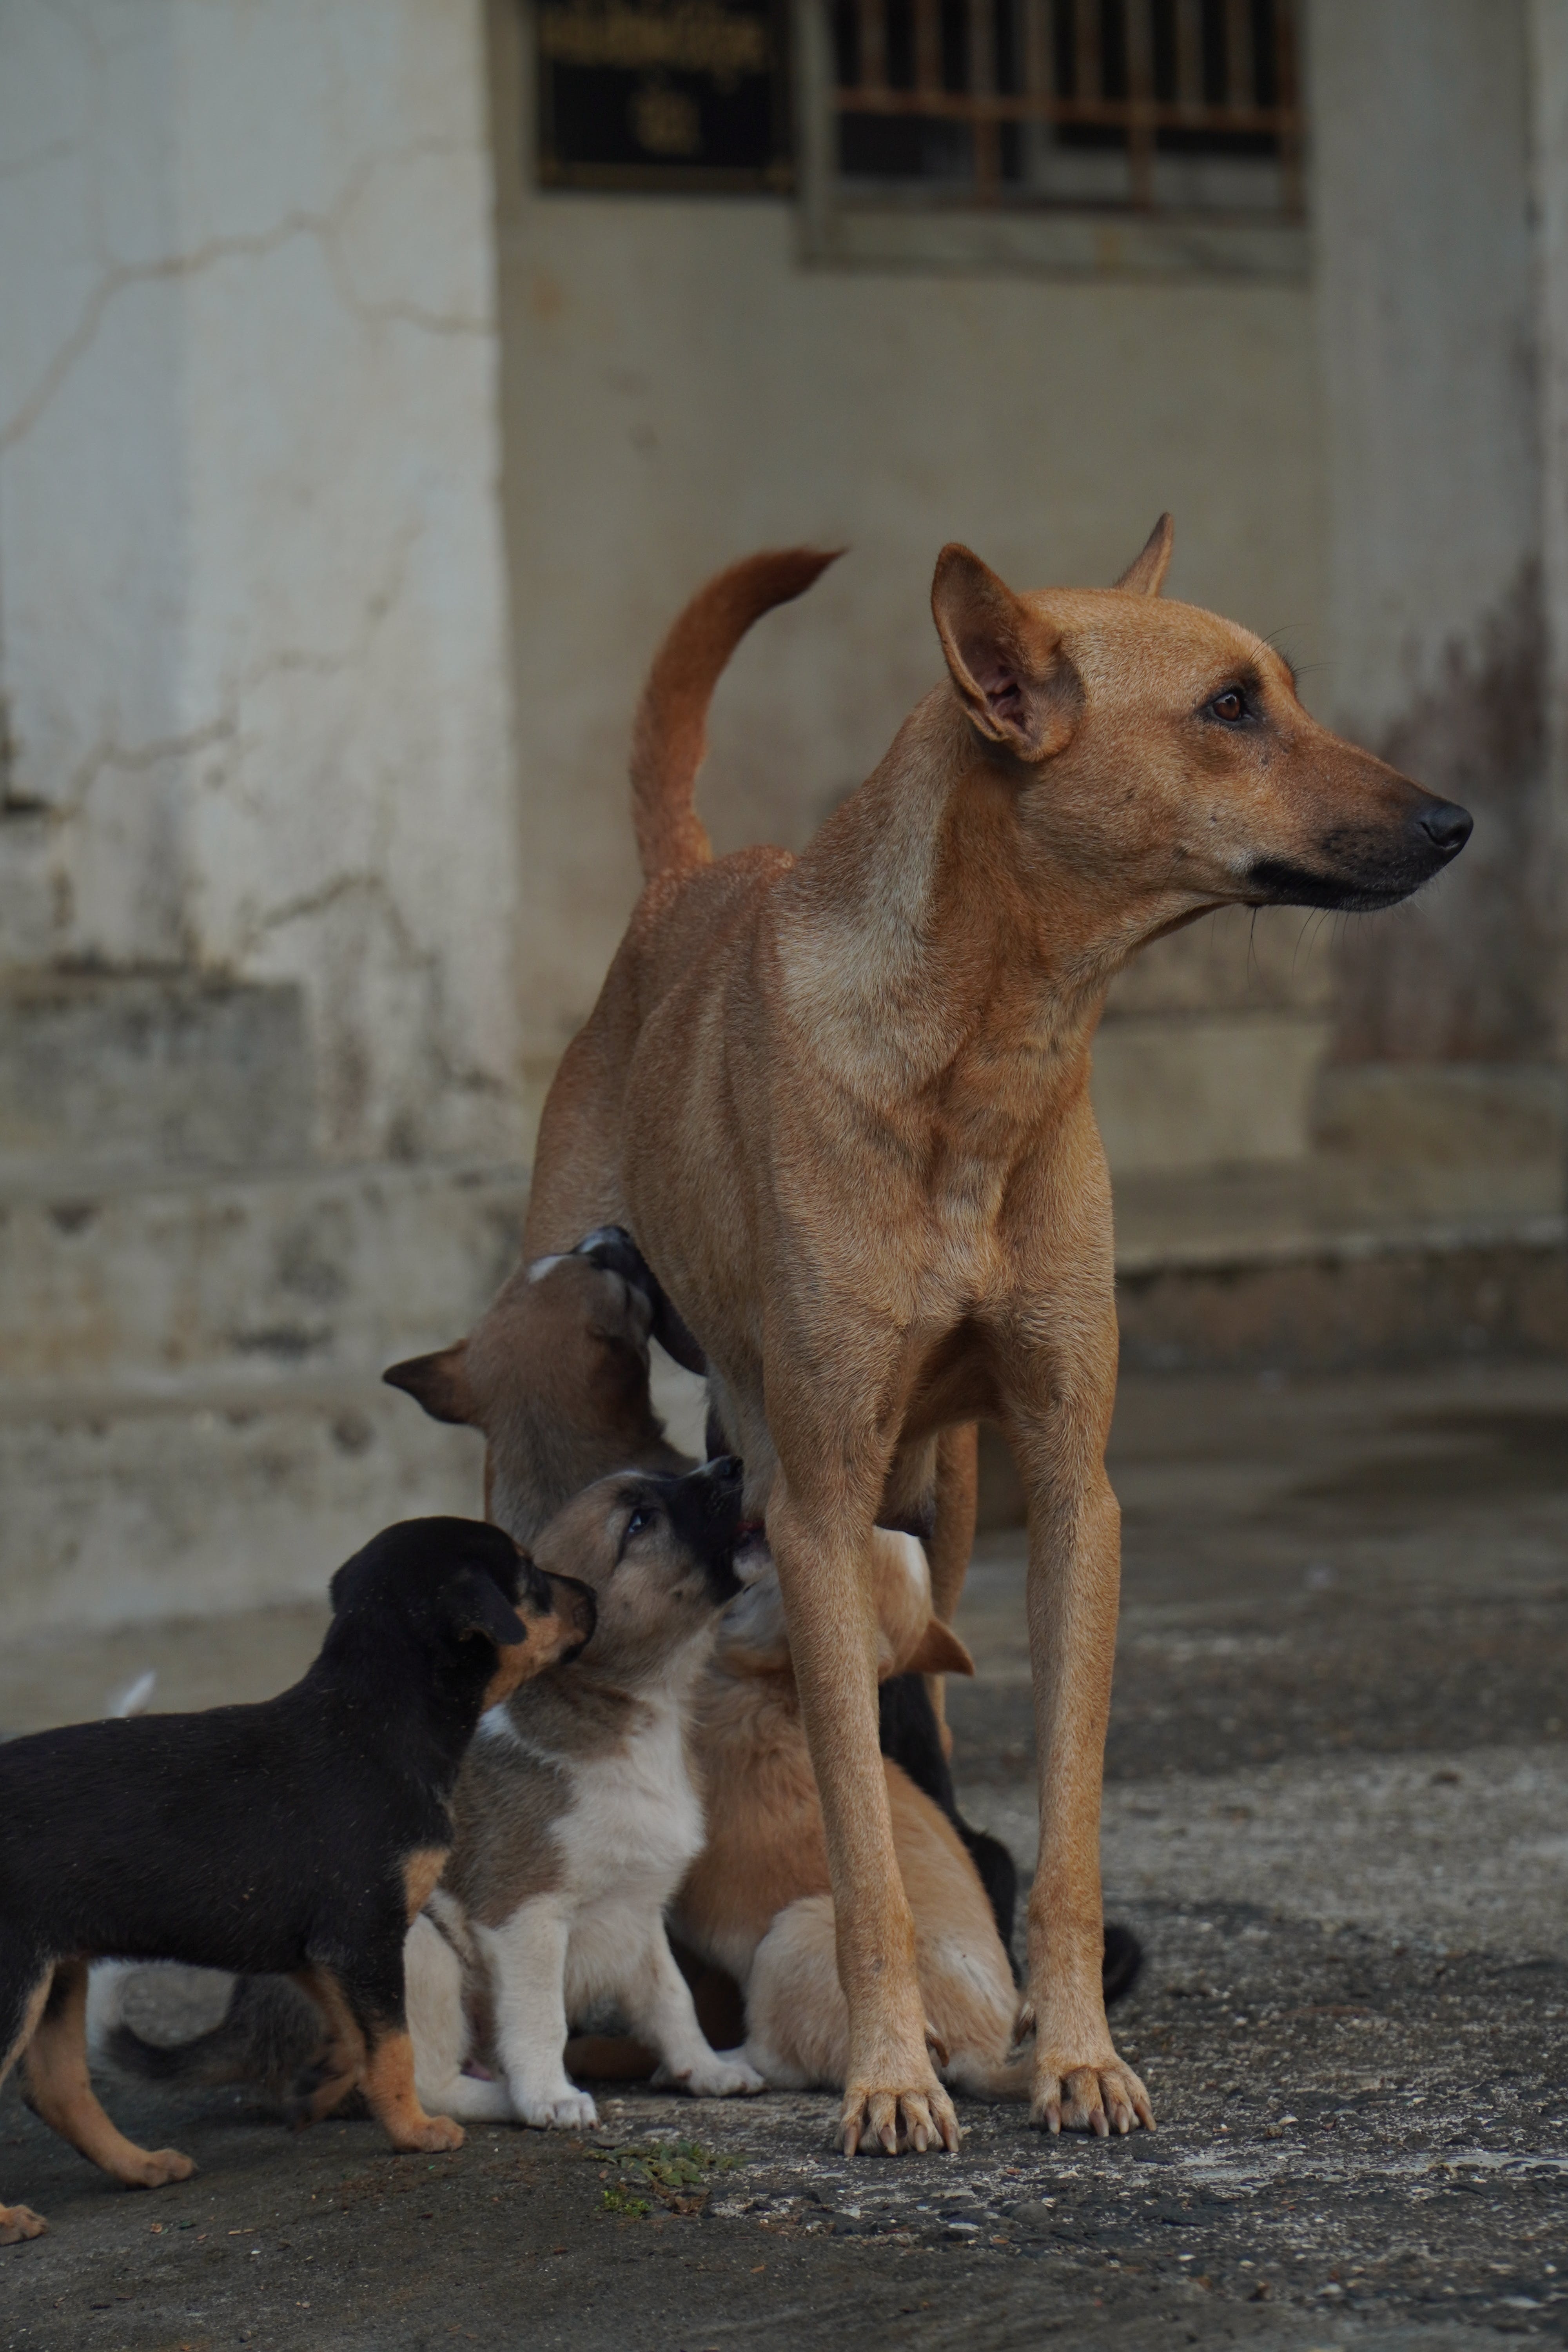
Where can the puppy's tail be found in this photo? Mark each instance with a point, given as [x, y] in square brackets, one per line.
[270, 2033]
[669, 739]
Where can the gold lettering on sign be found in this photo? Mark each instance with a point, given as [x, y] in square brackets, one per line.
[691, 36]
[665, 122]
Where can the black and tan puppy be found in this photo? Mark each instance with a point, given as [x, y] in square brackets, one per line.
[300, 1835]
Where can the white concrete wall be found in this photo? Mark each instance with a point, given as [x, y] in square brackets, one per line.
[252, 596]
[680, 390]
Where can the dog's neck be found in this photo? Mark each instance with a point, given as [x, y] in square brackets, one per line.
[425, 1739]
[926, 931]
[572, 1714]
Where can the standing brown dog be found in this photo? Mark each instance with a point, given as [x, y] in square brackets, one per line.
[842, 1100]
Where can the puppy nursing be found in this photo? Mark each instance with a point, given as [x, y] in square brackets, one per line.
[755, 1900]
[758, 1900]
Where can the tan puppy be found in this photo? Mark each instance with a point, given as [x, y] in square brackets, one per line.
[842, 1102]
[757, 1901]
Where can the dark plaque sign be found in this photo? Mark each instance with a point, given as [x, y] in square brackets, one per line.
[673, 94]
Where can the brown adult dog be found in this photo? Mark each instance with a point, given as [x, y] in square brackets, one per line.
[842, 1102]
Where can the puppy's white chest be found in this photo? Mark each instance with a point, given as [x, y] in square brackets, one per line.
[635, 1823]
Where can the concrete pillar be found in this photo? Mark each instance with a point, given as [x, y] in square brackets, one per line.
[252, 590]
[1428, 309]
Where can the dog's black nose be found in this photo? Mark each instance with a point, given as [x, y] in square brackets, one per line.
[719, 1483]
[1446, 826]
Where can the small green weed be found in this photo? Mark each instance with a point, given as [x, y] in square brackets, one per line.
[676, 2173]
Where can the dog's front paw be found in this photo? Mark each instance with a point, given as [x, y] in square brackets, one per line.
[1102, 2096]
[19, 2221]
[890, 2121]
[723, 2074]
[156, 2167]
[566, 2110]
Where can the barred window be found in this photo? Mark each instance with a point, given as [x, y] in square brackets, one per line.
[1079, 135]
[1159, 132]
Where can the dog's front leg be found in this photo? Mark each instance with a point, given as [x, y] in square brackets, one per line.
[891, 2095]
[527, 1958]
[1075, 1568]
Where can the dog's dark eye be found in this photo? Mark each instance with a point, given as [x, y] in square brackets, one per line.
[1230, 705]
[641, 1519]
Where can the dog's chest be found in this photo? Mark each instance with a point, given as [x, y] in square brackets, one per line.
[635, 1822]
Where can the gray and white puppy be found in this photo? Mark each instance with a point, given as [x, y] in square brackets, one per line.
[576, 1820]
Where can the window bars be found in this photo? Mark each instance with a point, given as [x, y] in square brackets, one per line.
[1138, 106]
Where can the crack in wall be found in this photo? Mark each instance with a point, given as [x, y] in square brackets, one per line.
[257, 244]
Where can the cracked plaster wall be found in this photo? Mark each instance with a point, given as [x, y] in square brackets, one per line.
[253, 636]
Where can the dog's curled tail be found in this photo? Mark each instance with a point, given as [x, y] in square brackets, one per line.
[669, 738]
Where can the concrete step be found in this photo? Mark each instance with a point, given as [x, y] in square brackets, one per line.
[142, 1283]
[120, 1510]
[123, 1072]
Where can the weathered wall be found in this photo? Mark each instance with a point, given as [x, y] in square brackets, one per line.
[1548, 91]
[252, 592]
[1427, 279]
[679, 389]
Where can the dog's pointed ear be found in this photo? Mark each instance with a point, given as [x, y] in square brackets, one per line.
[1012, 676]
[1145, 575]
[938, 1650]
[438, 1382]
[479, 1606]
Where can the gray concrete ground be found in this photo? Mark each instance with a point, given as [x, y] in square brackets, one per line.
[1336, 1814]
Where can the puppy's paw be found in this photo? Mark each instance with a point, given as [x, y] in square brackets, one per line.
[156, 2168]
[567, 2110]
[1102, 2097]
[19, 2221]
[436, 2132]
[723, 2074]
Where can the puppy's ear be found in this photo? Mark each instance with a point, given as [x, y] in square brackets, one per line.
[1013, 678]
[438, 1382]
[1145, 575]
[938, 1650]
[479, 1606]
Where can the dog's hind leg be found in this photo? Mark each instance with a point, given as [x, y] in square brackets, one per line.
[433, 1989]
[658, 2003]
[797, 2019]
[24, 1990]
[394, 2102]
[339, 2067]
[374, 2001]
[59, 2088]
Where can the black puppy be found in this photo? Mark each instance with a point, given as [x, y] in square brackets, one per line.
[301, 1835]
